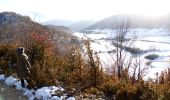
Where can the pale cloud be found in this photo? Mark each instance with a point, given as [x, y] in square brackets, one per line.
[84, 9]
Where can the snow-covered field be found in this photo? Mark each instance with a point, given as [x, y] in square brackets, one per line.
[44, 93]
[147, 39]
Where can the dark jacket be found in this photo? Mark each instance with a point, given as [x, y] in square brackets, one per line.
[23, 65]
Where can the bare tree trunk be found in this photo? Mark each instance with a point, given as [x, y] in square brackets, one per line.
[122, 38]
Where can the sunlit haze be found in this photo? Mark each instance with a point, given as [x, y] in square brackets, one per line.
[44, 10]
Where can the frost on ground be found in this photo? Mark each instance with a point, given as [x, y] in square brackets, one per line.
[44, 93]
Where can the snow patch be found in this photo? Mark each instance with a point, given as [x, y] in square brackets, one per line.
[44, 93]
[18, 85]
[10, 81]
[2, 77]
[71, 98]
[55, 98]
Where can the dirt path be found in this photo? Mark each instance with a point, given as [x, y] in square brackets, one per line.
[10, 93]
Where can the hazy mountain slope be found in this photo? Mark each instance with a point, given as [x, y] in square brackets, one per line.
[103, 24]
[58, 22]
[60, 28]
[136, 21]
[80, 25]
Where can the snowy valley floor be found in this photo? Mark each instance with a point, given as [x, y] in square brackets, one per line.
[11, 90]
[157, 41]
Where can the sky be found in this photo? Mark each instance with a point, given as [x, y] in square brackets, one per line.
[43, 10]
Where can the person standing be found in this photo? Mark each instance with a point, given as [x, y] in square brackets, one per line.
[23, 66]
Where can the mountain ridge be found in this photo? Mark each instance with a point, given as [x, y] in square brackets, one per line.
[135, 20]
[58, 22]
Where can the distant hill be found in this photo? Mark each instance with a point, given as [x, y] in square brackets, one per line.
[103, 24]
[60, 28]
[80, 25]
[136, 21]
[17, 28]
[58, 22]
[11, 18]
[106, 23]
